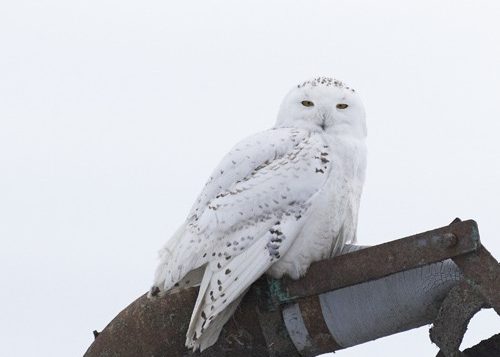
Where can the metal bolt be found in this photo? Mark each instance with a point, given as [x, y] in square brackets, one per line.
[450, 239]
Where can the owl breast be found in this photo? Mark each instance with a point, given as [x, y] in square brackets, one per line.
[331, 219]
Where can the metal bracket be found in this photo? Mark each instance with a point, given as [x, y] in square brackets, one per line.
[480, 288]
[459, 306]
[380, 261]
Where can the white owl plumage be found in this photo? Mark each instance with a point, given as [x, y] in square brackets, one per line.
[279, 200]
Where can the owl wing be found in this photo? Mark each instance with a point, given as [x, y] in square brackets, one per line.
[247, 157]
[177, 257]
[245, 219]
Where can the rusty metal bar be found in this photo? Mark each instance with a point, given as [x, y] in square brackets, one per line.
[265, 325]
[482, 271]
[455, 313]
[380, 261]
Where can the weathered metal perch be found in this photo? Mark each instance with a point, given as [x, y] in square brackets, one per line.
[341, 302]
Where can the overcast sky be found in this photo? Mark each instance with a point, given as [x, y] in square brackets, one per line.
[113, 114]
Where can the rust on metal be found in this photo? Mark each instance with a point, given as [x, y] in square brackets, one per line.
[270, 321]
[482, 270]
[157, 327]
[322, 340]
[276, 336]
[449, 326]
[147, 321]
[480, 288]
[380, 261]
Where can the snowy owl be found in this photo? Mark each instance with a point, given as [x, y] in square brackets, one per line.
[279, 200]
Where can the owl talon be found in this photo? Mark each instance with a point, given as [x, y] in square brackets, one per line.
[154, 291]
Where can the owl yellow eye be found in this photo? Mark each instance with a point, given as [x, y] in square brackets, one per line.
[341, 106]
[307, 103]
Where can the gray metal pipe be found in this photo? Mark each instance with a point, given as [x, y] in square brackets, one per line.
[311, 326]
[374, 309]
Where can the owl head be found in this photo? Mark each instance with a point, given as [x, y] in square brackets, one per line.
[323, 105]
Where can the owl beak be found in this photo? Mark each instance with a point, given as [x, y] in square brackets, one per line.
[323, 125]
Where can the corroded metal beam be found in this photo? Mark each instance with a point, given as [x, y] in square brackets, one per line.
[343, 301]
[482, 271]
[381, 260]
[457, 309]
[157, 328]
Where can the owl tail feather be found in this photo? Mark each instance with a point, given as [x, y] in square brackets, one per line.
[172, 275]
[191, 279]
[212, 332]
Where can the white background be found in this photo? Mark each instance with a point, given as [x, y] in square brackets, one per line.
[113, 114]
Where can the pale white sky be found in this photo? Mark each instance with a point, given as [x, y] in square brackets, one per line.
[113, 113]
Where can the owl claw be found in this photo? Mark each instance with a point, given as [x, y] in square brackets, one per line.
[154, 291]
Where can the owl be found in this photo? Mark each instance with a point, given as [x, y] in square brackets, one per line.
[278, 201]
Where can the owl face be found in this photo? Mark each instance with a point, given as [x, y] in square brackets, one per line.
[323, 105]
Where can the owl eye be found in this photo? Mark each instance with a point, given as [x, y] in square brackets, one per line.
[307, 103]
[341, 106]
